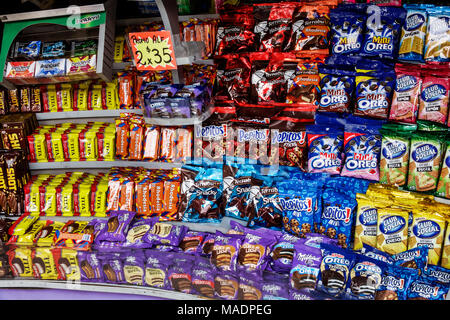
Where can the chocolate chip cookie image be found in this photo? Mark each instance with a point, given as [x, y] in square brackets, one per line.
[87, 269]
[302, 281]
[109, 273]
[386, 295]
[333, 279]
[38, 266]
[331, 233]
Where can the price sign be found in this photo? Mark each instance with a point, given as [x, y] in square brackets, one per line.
[153, 50]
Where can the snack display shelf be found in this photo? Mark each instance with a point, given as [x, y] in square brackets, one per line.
[98, 287]
[101, 165]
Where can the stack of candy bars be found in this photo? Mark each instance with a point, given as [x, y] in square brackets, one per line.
[92, 141]
[37, 59]
[68, 194]
[147, 192]
[136, 140]
[14, 175]
[14, 129]
[242, 263]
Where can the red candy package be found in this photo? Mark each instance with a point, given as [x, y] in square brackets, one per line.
[405, 100]
[126, 90]
[233, 78]
[151, 143]
[235, 32]
[168, 136]
[273, 24]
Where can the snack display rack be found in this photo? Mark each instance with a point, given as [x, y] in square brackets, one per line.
[197, 183]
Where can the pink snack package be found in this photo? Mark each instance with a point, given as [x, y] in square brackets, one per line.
[405, 100]
[433, 105]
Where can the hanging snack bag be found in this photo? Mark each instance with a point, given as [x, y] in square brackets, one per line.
[424, 162]
[392, 230]
[337, 87]
[437, 47]
[394, 157]
[362, 145]
[443, 188]
[310, 28]
[325, 146]
[374, 93]
[347, 29]
[434, 97]
[235, 33]
[273, 26]
[405, 100]
[383, 32]
[303, 83]
[233, 78]
[414, 31]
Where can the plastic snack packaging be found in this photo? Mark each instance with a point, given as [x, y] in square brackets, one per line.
[53, 49]
[414, 30]
[28, 50]
[438, 37]
[395, 282]
[50, 68]
[348, 22]
[392, 230]
[35, 98]
[394, 157]
[151, 143]
[81, 65]
[337, 89]
[122, 136]
[183, 144]
[383, 32]
[422, 288]
[167, 152]
[20, 69]
[366, 222]
[445, 261]
[424, 162]
[405, 100]
[434, 97]
[443, 187]
[303, 84]
[233, 77]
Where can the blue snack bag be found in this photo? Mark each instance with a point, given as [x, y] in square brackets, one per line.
[423, 288]
[395, 282]
[334, 269]
[414, 31]
[437, 273]
[204, 196]
[267, 211]
[436, 42]
[337, 216]
[416, 258]
[383, 31]
[325, 146]
[362, 146]
[347, 29]
[376, 254]
[365, 278]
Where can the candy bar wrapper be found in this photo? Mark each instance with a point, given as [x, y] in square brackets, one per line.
[334, 270]
[35, 98]
[226, 285]
[305, 268]
[137, 231]
[250, 286]
[134, 268]
[20, 69]
[282, 253]
[47, 233]
[72, 236]
[53, 49]
[25, 99]
[122, 138]
[126, 90]
[80, 65]
[50, 68]
[167, 144]
[203, 281]
[207, 245]
[112, 267]
[170, 200]
[90, 267]
[20, 263]
[225, 251]
[66, 261]
[44, 266]
[180, 277]
[437, 273]
[4, 109]
[14, 101]
[156, 268]
[28, 50]
[84, 47]
[165, 233]
[254, 251]
[275, 287]
[192, 242]
[151, 143]
[117, 226]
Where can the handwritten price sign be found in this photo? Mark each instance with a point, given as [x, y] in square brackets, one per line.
[153, 50]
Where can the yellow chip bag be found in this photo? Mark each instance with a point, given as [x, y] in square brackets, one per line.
[392, 230]
[366, 222]
[445, 261]
[428, 230]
